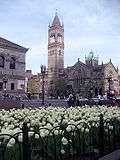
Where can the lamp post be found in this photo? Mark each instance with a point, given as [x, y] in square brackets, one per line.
[5, 80]
[43, 71]
[109, 87]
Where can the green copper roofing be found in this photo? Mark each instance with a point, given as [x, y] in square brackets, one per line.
[92, 56]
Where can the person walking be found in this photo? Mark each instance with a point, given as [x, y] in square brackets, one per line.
[70, 100]
[77, 99]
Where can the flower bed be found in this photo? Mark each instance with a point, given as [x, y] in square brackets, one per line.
[11, 121]
[69, 129]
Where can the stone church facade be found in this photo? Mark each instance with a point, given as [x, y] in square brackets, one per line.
[90, 79]
[12, 68]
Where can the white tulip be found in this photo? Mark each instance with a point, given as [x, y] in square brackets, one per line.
[20, 137]
[68, 128]
[64, 141]
[56, 132]
[62, 151]
[30, 134]
[11, 142]
[36, 136]
[42, 134]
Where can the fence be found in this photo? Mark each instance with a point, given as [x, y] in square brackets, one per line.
[72, 142]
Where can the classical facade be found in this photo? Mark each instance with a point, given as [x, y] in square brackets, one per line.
[12, 67]
[55, 50]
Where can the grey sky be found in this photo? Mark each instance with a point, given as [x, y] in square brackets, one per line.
[89, 25]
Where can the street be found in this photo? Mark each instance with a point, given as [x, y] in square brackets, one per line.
[48, 102]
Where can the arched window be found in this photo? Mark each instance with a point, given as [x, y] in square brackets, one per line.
[52, 38]
[2, 61]
[60, 52]
[51, 69]
[59, 38]
[12, 63]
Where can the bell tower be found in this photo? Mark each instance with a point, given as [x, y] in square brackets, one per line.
[55, 49]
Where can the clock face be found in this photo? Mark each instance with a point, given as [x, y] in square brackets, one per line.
[52, 39]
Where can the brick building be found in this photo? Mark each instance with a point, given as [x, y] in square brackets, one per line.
[34, 83]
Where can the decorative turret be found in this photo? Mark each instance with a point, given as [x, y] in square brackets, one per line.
[91, 59]
[110, 60]
[117, 69]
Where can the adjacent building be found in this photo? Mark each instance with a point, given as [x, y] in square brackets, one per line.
[12, 68]
[34, 83]
[90, 79]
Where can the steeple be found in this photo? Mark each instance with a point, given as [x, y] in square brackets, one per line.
[56, 21]
[55, 51]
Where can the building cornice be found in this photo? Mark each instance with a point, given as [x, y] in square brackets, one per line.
[5, 44]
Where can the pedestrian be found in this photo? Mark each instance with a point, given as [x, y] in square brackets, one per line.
[77, 99]
[22, 105]
[71, 100]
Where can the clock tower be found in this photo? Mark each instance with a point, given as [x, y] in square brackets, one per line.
[55, 49]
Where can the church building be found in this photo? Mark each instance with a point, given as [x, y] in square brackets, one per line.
[88, 78]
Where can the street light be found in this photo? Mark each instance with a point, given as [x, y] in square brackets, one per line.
[5, 80]
[43, 71]
[109, 87]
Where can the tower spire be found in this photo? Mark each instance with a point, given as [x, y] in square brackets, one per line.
[56, 21]
[56, 12]
[55, 51]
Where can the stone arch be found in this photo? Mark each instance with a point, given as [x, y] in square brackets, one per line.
[12, 63]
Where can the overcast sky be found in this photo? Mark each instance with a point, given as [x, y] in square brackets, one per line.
[88, 24]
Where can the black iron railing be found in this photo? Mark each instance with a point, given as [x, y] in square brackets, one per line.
[64, 142]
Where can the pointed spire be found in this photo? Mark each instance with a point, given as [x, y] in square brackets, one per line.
[117, 69]
[110, 60]
[49, 24]
[56, 12]
[56, 21]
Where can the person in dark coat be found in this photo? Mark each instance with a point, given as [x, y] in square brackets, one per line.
[71, 100]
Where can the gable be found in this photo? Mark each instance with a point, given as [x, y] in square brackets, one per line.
[79, 70]
[10, 45]
[110, 70]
